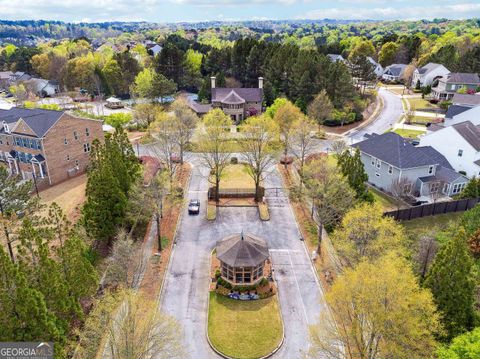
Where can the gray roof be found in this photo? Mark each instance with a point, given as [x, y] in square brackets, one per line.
[464, 99]
[443, 174]
[199, 107]
[335, 57]
[395, 69]
[477, 162]
[219, 94]
[428, 67]
[436, 156]
[233, 99]
[463, 78]
[242, 250]
[397, 151]
[40, 121]
[470, 133]
[454, 110]
[5, 75]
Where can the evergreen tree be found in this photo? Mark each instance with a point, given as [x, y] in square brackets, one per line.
[451, 281]
[472, 190]
[353, 169]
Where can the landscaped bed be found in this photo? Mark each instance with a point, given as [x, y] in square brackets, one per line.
[236, 176]
[244, 329]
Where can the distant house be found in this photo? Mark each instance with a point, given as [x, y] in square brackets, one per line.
[390, 160]
[459, 144]
[41, 87]
[448, 85]
[377, 68]
[426, 75]
[336, 58]
[19, 76]
[393, 73]
[156, 49]
[5, 79]
[239, 103]
[50, 145]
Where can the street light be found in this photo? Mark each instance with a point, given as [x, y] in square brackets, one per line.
[35, 183]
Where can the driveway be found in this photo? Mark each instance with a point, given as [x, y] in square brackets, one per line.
[185, 292]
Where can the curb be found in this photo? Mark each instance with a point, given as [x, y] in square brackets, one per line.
[219, 353]
[372, 118]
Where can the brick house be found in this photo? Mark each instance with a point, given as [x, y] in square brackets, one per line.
[50, 145]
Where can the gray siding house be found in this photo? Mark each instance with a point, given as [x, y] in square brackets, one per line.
[391, 161]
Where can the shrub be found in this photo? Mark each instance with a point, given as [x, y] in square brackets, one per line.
[445, 104]
[211, 212]
[224, 283]
[118, 119]
[263, 282]
[263, 211]
[177, 192]
[217, 274]
[234, 160]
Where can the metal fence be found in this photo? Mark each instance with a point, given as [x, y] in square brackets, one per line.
[235, 192]
[433, 209]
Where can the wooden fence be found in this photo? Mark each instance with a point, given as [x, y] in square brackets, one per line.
[433, 209]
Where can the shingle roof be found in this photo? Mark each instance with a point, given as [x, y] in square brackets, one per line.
[454, 110]
[395, 69]
[40, 121]
[233, 99]
[463, 78]
[436, 156]
[477, 162]
[248, 94]
[470, 133]
[443, 174]
[428, 67]
[242, 250]
[199, 107]
[464, 99]
[396, 151]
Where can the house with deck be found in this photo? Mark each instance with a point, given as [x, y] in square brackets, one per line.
[423, 173]
[447, 86]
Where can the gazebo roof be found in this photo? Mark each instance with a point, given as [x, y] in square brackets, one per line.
[242, 250]
[113, 100]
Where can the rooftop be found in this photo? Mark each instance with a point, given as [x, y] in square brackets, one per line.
[464, 99]
[470, 133]
[428, 67]
[454, 110]
[463, 78]
[40, 121]
[220, 94]
[242, 250]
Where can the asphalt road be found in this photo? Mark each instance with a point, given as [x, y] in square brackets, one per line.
[186, 286]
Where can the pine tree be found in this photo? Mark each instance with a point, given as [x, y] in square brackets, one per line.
[24, 315]
[353, 169]
[451, 281]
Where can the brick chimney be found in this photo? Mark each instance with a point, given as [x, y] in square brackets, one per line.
[213, 78]
[260, 82]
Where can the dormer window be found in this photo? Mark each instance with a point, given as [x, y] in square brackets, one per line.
[430, 170]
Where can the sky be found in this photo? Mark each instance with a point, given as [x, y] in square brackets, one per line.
[162, 11]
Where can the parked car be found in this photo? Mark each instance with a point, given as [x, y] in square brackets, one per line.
[194, 206]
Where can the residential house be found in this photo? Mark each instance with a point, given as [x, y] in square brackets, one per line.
[393, 73]
[41, 87]
[459, 144]
[377, 68]
[19, 76]
[460, 104]
[239, 103]
[51, 146]
[448, 86]
[5, 77]
[391, 161]
[426, 75]
[472, 114]
[336, 58]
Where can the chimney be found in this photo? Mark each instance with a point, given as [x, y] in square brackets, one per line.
[260, 82]
[213, 78]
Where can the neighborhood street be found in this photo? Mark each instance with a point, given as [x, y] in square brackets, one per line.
[185, 292]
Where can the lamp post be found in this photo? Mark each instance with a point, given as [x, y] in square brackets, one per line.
[35, 183]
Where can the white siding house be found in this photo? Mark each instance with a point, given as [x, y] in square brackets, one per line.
[427, 74]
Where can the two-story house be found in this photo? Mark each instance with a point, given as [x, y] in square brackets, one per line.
[447, 86]
[50, 145]
[394, 72]
[239, 103]
[459, 143]
[426, 75]
[461, 103]
[389, 160]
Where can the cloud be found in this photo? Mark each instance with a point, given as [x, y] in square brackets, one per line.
[453, 11]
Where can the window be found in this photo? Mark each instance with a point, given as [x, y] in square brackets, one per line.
[407, 188]
[434, 187]
[67, 157]
[390, 169]
[87, 132]
[459, 187]
[377, 174]
[77, 163]
[75, 135]
[379, 163]
[65, 141]
[460, 153]
[86, 147]
[373, 161]
[430, 170]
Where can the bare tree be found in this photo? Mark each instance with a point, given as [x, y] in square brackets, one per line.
[339, 146]
[401, 189]
[213, 145]
[258, 132]
[436, 190]
[186, 122]
[302, 140]
[139, 331]
[331, 195]
[426, 249]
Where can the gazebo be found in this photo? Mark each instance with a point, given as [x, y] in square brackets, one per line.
[242, 258]
[113, 102]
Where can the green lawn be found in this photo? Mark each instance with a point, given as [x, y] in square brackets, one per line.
[420, 103]
[431, 223]
[413, 134]
[422, 120]
[244, 329]
[387, 203]
[236, 176]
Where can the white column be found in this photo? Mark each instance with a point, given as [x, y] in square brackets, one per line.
[33, 168]
[41, 169]
[16, 166]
